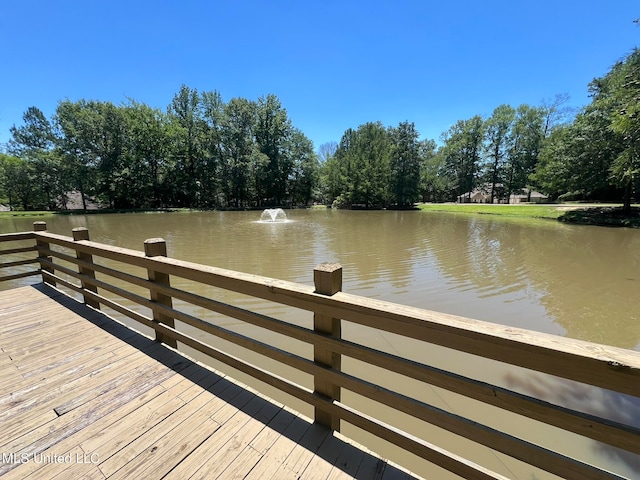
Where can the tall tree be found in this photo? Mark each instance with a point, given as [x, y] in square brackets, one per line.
[326, 151]
[327, 184]
[16, 182]
[212, 166]
[116, 178]
[527, 137]
[576, 159]
[556, 112]
[625, 122]
[147, 149]
[338, 170]
[462, 154]
[405, 164]
[272, 133]
[499, 138]
[34, 143]
[304, 175]
[598, 149]
[35, 135]
[555, 173]
[79, 130]
[434, 181]
[363, 166]
[188, 127]
[242, 158]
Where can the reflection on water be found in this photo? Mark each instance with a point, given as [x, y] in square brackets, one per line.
[581, 282]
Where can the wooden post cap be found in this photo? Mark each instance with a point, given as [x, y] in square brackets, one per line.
[39, 226]
[327, 278]
[328, 267]
[80, 233]
[154, 247]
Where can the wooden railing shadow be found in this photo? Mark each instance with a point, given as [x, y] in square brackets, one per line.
[315, 437]
[93, 271]
[600, 403]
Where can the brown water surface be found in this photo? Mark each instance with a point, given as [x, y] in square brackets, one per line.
[577, 281]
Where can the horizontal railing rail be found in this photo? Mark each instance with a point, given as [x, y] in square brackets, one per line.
[17, 259]
[73, 264]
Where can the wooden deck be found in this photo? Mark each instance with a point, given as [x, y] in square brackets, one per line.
[82, 396]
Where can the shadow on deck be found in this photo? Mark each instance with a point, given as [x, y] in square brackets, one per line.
[84, 396]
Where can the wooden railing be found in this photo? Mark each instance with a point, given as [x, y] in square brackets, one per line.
[72, 263]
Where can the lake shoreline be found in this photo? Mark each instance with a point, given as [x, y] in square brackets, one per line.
[577, 214]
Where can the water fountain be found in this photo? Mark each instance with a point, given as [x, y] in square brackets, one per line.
[273, 215]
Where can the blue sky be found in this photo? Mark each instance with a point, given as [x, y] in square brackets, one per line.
[333, 64]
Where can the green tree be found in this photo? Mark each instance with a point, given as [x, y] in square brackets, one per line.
[36, 135]
[526, 141]
[363, 163]
[555, 174]
[404, 165]
[93, 142]
[272, 134]
[581, 154]
[188, 139]
[498, 146]
[338, 170]
[243, 159]
[116, 172]
[79, 129]
[597, 153]
[304, 175]
[328, 185]
[16, 182]
[147, 150]
[34, 142]
[434, 182]
[213, 108]
[462, 154]
[625, 122]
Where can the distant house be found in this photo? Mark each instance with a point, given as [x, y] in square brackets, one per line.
[475, 196]
[482, 194]
[529, 196]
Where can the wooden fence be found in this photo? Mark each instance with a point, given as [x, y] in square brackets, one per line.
[72, 263]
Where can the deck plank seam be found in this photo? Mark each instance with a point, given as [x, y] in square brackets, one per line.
[150, 437]
[61, 386]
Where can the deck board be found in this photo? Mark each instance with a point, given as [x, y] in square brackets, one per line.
[82, 396]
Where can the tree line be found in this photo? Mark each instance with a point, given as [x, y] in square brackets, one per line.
[598, 154]
[590, 154]
[390, 166]
[199, 153]
[202, 152]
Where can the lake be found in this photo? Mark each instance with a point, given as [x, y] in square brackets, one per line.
[577, 281]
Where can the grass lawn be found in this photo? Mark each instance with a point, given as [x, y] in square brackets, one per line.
[530, 211]
[46, 213]
[29, 213]
[603, 215]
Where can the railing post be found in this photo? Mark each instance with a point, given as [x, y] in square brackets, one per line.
[154, 247]
[42, 227]
[82, 233]
[327, 278]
